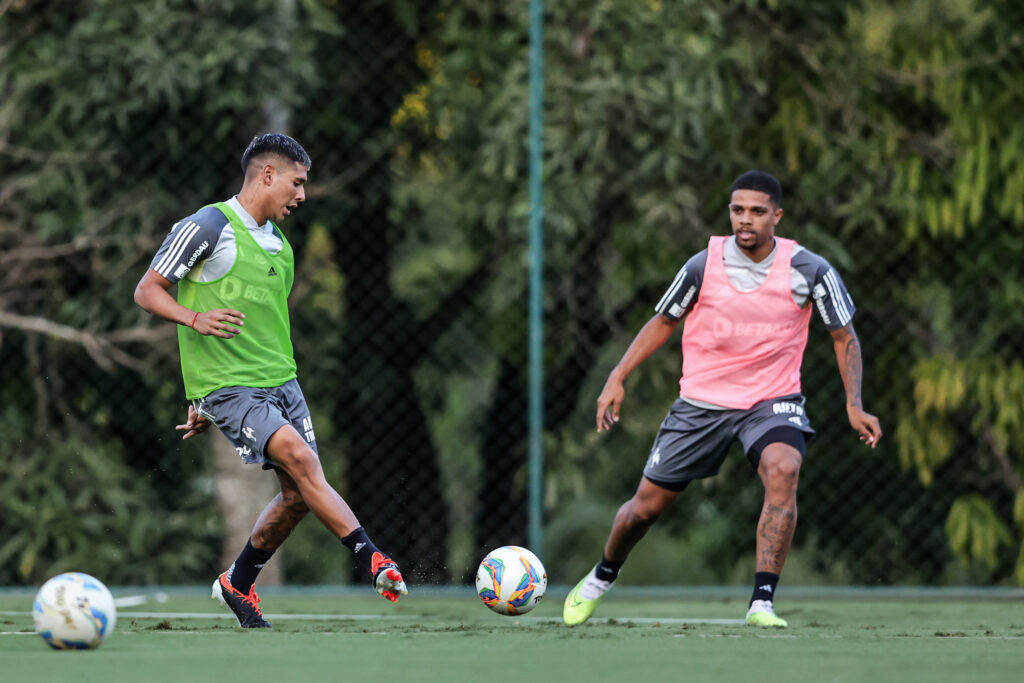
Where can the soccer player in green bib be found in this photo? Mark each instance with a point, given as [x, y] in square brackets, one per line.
[234, 270]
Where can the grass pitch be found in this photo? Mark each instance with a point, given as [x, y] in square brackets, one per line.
[354, 636]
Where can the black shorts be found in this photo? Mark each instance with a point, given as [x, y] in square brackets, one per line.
[693, 441]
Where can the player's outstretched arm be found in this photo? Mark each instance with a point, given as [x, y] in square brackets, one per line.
[152, 295]
[652, 335]
[851, 368]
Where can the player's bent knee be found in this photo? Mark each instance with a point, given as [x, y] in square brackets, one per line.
[304, 466]
[781, 468]
[644, 514]
[784, 467]
[300, 462]
[291, 452]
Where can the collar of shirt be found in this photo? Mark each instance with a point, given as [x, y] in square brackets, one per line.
[734, 257]
[247, 220]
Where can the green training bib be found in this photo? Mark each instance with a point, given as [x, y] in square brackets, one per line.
[258, 285]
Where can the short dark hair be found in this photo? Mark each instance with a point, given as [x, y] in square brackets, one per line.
[759, 181]
[275, 143]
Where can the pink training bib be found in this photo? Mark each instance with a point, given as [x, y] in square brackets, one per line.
[743, 347]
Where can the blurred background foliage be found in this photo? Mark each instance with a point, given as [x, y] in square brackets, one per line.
[894, 128]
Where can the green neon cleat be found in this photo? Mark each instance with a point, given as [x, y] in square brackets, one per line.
[761, 613]
[577, 608]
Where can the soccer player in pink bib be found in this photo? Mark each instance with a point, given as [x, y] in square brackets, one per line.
[747, 302]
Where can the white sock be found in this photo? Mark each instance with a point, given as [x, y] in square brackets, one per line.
[594, 587]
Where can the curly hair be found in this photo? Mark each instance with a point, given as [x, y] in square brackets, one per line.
[759, 181]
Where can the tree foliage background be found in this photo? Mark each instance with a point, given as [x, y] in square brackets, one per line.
[894, 128]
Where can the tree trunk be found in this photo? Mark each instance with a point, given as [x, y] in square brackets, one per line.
[242, 493]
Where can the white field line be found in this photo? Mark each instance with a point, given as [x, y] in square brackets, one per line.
[655, 620]
[136, 600]
[412, 617]
[124, 614]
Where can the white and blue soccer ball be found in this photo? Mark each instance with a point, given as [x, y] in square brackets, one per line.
[511, 580]
[74, 611]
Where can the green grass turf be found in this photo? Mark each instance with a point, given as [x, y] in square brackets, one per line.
[432, 638]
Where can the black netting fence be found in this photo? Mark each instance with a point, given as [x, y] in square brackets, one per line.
[901, 165]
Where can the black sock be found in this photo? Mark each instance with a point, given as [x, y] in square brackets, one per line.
[606, 570]
[243, 572]
[764, 586]
[362, 547]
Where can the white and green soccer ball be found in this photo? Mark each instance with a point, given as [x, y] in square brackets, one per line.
[74, 611]
[511, 580]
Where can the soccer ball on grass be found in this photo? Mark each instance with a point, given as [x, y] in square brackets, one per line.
[74, 611]
[511, 580]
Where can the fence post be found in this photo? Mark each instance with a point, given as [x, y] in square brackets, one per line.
[536, 466]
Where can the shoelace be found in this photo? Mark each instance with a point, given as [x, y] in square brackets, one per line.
[252, 598]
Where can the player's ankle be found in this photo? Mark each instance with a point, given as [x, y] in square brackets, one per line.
[607, 570]
[765, 584]
[363, 549]
[242, 574]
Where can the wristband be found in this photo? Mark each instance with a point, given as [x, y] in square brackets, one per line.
[193, 323]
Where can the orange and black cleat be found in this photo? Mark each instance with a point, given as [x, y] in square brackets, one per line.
[246, 608]
[387, 579]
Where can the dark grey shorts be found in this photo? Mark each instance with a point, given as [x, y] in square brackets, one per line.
[692, 442]
[249, 416]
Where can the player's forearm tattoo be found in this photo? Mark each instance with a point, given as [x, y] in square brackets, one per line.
[774, 537]
[853, 370]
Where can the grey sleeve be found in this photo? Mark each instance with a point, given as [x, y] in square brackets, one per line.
[834, 304]
[190, 241]
[682, 293]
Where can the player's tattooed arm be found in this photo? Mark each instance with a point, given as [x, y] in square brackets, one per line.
[851, 368]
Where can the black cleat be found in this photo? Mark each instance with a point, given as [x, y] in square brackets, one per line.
[246, 608]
